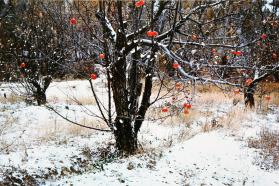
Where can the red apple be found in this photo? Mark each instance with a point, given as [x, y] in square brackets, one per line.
[152, 33]
[101, 56]
[165, 109]
[237, 53]
[93, 76]
[139, 3]
[73, 21]
[187, 105]
[274, 56]
[178, 85]
[22, 65]
[175, 65]
[267, 98]
[248, 81]
[264, 36]
[236, 91]
[194, 37]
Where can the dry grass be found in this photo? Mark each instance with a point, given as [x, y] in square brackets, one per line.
[208, 88]
[53, 99]
[175, 116]
[57, 128]
[73, 100]
[213, 98]
[6, 144]
[235, 118]
[263, 104]
[75, 130]
[206, 96]
[275, 98]
[268, 143]
[207, 128]
[271, 89]
[11, 99]
[206, 92]
[82, 101]
[186, 119]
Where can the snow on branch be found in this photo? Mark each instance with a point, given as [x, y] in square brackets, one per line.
[215, 45]
[5, 10]
[177, 59]
[159, 8]
[263, 76]
[107, 25]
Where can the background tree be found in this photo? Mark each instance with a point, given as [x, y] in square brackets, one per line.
[36, 48]
[8, 20]
[262, 55]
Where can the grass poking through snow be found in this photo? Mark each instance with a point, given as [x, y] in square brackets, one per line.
[268, 144]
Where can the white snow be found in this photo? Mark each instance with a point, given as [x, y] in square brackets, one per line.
[109, 26]
[173, 154]
[209, 158]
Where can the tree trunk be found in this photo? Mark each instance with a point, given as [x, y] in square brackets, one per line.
[40, 97]
[276, 76]
[40, 93]
[249, 96]
[126, 139]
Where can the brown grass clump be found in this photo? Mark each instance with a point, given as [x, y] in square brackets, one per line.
[207, 88]
[268, 144]
[11, 99]
[234, 118]
[275, 98]
[209, 98]
[54, 129]
[221, 95]
[268, 89]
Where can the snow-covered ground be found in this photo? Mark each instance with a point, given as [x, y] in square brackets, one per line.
[207, 159]
[209, 147]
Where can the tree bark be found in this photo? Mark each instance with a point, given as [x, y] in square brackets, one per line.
[40, 97]
[249, 96]
[40, 93]
[249, 90]
[126, 139]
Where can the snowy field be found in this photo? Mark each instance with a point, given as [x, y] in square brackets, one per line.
[210, 146]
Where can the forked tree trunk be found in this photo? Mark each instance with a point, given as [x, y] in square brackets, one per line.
[125, 137]
[40, 93]
[126, 90]
[128, 121]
